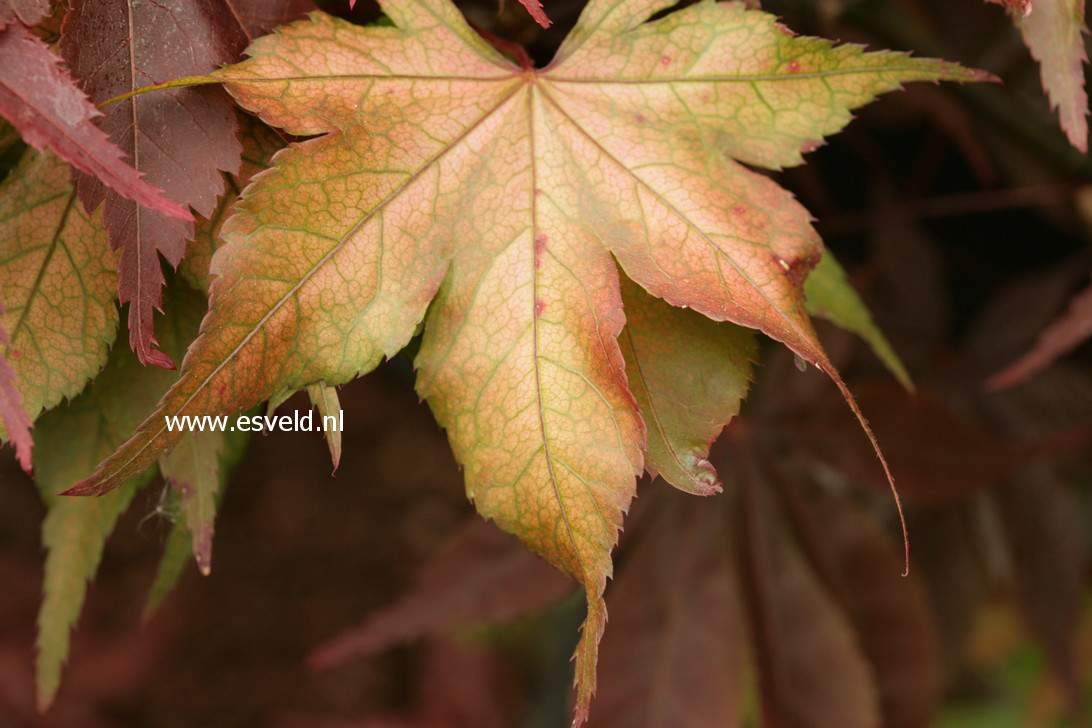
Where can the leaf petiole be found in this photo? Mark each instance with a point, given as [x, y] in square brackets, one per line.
[184, 82]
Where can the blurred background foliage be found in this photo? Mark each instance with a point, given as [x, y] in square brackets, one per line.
[965, 219]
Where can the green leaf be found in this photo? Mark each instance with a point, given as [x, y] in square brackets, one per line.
[831, 296]
[180, 542]
[72, 439]
[193, 469]
[177, 552]
[689, 375]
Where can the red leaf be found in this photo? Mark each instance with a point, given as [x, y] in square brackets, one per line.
[674, 653]
[890, 613]
[27, 12]
[41, 100]
[466, 687]
[181, 140]
[259, 17]
[534, 7]
[14, 416]
[1065, 334]
[812, 673]
[483, 575]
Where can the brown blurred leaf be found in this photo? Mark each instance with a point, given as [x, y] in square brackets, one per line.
[258, 17]
[1060, 337]
[482, 575]
[812, 673]
[673, 657]
[889, 613]
[1045, 533]
[936, 455]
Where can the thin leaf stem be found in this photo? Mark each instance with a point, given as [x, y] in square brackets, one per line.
[184, 82]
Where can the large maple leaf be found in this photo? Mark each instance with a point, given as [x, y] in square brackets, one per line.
[181, 141]
[507, 197]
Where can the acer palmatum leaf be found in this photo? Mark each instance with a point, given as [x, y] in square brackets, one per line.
[1054, 33]
[41, 100]
[675, 654]
[12, 412]
[482, 575]
[181, 141]
[443, 171]
[27, 12]
[193, 469]
[57, 276]
[689, 376]
[260, 143]
[258, 17]
[1058, 339]
[534, 7]
[812, 673]
[831, 296]
[72, 439]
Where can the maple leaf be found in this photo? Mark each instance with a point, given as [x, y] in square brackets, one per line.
[258, 17]
[12, 414]
[180, 141]
[1054, 33]
[890, 613]
[812, 672]
[1063, 335]
[534, 7]
[27, 12]
[689, 376]
[193, 469]
[831, 296]
[443, 171]
[675, 654]
[482, 575]
[57, 274]
[72, 439]
[51, 113]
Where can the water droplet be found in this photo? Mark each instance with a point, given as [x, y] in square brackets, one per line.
[800, 362]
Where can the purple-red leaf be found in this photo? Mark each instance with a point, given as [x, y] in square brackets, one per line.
[41, 100]
[674, 655]
[27, 12]
[889, 613]
[1056, 340]
[11, 405]
[812, 673]
[181, 140]
[483, 575]
[258, 17]
[534, 7]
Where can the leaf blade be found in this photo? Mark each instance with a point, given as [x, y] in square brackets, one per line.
[689, 375]
[42, 101]
[181, 140]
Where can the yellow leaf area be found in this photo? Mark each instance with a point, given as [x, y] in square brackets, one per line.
[58, 278]
[500, 201]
